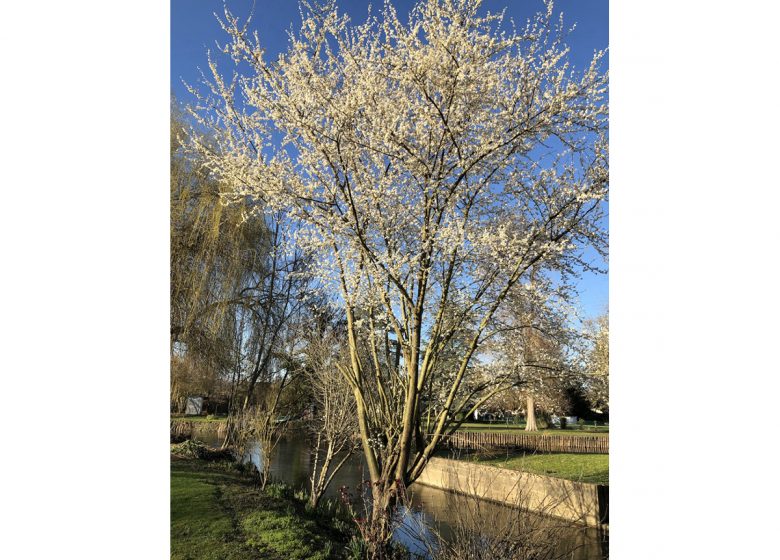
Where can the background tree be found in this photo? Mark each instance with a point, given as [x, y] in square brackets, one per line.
[430, 165]
[236, 294]
[274, 298]
[274, 388]
[214, 252]
[535, 344]
[596, 363]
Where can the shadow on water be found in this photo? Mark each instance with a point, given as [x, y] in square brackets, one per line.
[427, 507]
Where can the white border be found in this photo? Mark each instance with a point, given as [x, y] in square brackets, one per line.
[85, 100]
[694, 299]
[693, 280]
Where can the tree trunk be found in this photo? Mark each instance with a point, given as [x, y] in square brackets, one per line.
[530, 415]
[320, 473]
[379, 529]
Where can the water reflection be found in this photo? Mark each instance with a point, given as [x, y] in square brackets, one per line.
[428, 507]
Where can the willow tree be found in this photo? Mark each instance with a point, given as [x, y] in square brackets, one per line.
[215, 251]
[431, 164]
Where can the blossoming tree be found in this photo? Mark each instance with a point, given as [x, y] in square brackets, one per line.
[536, 345]
[596, 362]
[430, 164]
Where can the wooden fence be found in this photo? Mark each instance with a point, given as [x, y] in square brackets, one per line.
[467, 441]
[529, 442]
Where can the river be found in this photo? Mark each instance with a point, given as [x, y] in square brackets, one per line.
[431, 507]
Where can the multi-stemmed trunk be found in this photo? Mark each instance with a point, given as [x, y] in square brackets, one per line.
[378, 530]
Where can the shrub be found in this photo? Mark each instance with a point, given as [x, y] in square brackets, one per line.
[289, 535]
[356, 549]
[279, 490]
[194, 449]
[189, 448]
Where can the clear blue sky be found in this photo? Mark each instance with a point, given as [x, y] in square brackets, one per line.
[194, 30]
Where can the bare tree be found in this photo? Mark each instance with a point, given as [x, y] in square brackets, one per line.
[333, 424]
[266, 335]
[255, 426]
[274, 300]
[275, 401]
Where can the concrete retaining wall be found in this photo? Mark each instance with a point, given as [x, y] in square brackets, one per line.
[574, 501]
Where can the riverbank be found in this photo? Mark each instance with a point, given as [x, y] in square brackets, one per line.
[218, 513]
[191, 418]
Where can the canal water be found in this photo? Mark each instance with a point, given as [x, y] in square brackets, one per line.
[431, 508]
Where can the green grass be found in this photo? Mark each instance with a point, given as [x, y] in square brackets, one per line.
[580, 467]
[520, 428]
[217, 513]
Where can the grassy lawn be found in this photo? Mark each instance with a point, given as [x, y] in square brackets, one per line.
[218, 514]
[515, 428]
[572, 466]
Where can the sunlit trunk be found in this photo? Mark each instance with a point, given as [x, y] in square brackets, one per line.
[530, 415]
[319, 475]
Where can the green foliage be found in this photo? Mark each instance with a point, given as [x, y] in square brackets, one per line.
[356, 549]
[345, 526]
[189, 448]
[279, 490]
[291, 535]
[283, 532]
